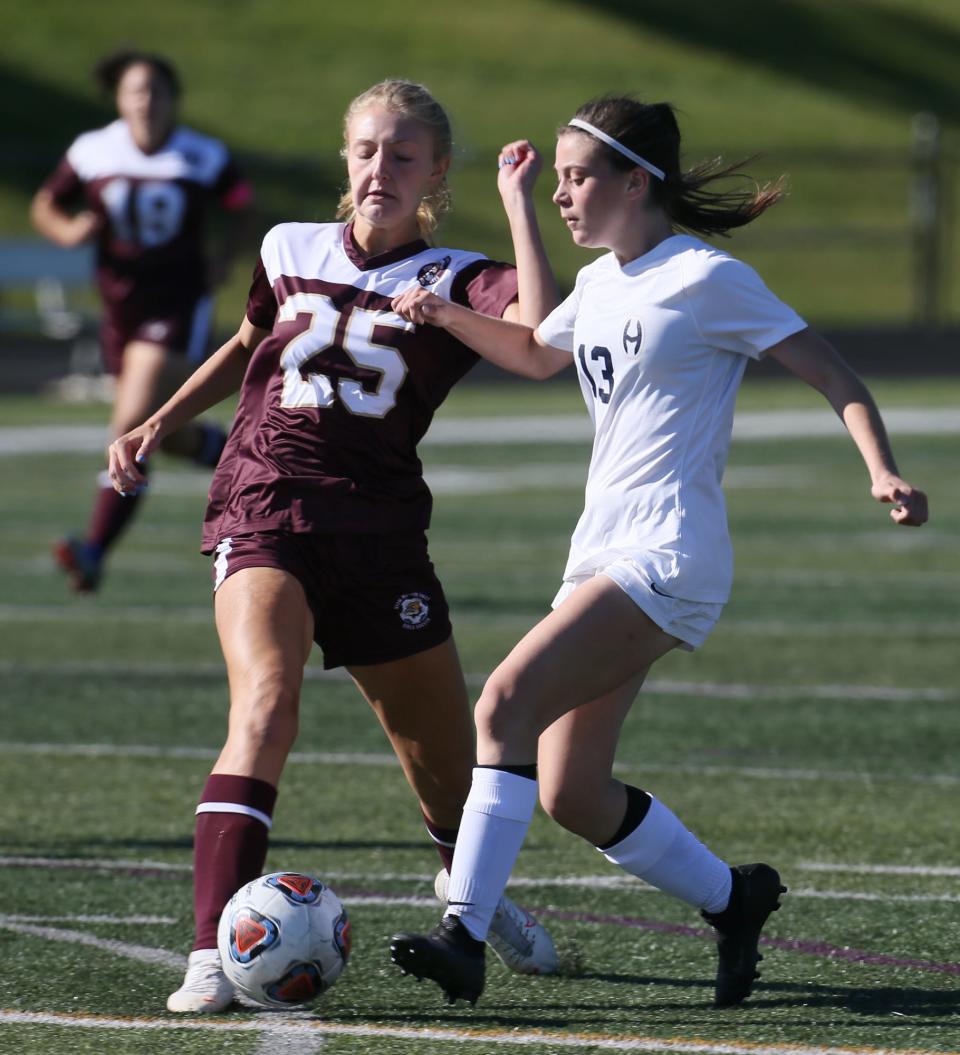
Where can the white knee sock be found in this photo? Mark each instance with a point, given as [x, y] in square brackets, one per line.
[496, 816]
[662, 852]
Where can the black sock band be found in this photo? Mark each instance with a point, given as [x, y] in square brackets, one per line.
[530, 771]
[638, 803]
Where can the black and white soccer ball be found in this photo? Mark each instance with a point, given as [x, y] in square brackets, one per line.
[284, 939]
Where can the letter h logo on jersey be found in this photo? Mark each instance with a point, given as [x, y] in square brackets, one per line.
[632, 340]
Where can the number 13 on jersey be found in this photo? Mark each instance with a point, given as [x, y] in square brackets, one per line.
[320, 390]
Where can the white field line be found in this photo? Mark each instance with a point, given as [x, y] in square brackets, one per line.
[819, 578]
[142, 614]
[277, 1040]
[534, 1039]
[549, 428]
[581, 882]
[527, 476]
[142, 953]
[92, 614]
[884, 870]
[118, 864]
[122, 921]
[656, 686]
[816, 579]
[334, 758]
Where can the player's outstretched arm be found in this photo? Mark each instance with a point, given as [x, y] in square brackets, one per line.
[57, 225]
[510, 345]
[220, 376]
[814, 360]
[519, 165]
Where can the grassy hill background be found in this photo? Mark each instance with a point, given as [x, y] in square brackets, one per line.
[822, 91]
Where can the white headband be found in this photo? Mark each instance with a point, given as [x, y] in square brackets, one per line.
[626, 151]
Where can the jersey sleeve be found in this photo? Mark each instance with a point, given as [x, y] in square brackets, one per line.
[734, 310]
[261, 303]
[557, 328]
[64, 183]
[485, 286]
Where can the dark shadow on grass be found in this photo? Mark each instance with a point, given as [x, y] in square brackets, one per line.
[880, 1001]
[901, 58]
[39, 121]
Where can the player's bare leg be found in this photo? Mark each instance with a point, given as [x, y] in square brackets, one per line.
[266, 632]
[575, 765]
[422, 704]
[568, 684]
[595, 643]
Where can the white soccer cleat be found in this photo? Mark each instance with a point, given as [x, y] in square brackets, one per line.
[206, 989]
[523, 944]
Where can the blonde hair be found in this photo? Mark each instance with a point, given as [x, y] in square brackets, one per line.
[413, 100]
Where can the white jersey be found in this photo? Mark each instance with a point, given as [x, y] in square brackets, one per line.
[111, 152]
[660, 346]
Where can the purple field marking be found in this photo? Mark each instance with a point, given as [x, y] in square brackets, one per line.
[811, 948]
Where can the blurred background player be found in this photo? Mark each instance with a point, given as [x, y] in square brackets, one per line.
[318, 508]
[661, 329]
[141, 189]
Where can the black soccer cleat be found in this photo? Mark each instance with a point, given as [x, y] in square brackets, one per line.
[449, 955]
[754, 895]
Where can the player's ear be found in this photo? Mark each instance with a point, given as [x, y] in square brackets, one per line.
[638, 184]
[440, 169]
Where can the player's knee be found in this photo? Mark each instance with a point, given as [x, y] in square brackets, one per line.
[500, 714]
[265, 712]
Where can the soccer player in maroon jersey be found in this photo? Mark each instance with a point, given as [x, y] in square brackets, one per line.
[318, 507]
[140, 189]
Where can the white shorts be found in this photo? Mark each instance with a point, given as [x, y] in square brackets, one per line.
[690, 621]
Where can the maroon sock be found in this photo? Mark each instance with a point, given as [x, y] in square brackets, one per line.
[444, 839]
[230, 846]
[110, 515]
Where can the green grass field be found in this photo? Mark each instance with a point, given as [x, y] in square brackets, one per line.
[822, 91]
[817, 729]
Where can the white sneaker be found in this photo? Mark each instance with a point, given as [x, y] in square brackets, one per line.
[523, 944]
[206, 989]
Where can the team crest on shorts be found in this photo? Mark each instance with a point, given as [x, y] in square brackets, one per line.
[429, 274]
[414, 610]
[632, 336]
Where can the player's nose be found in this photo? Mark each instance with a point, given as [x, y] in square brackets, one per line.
[381, 169]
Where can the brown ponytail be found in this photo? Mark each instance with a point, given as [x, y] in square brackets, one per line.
[651, 130]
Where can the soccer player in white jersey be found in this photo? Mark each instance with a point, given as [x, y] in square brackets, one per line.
[140, 190]
[661, 329]
[318, 507]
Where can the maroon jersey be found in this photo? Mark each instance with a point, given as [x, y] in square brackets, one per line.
[336, 399]
[150, 251]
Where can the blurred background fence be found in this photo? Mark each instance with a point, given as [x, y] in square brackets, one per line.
[859, 104]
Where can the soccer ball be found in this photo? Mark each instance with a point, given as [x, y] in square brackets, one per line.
[284, 939]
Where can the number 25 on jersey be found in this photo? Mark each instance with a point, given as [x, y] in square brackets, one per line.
[320, 390]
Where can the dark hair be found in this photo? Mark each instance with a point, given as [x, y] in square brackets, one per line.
[109, 71]
[651, 130]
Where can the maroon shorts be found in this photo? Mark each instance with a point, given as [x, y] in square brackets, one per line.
[183, 328]
[375, 598]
